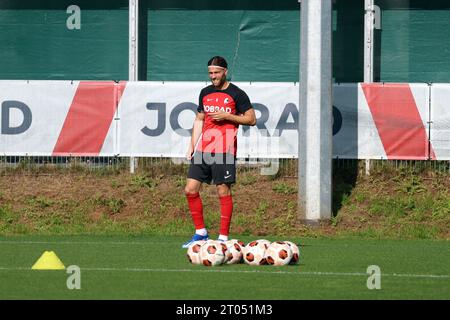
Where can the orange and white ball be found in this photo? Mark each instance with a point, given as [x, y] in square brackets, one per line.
[193, 252]
[212, 253]
[235, 251]
[279, 253]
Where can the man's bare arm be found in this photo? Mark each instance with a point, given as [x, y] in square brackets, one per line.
[196, 133]
[248, 118]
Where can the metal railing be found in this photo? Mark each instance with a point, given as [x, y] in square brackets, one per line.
[10, 165]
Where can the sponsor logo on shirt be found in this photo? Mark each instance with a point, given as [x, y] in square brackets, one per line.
[217, 109]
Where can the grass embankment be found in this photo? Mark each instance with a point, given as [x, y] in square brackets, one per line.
[396, 203]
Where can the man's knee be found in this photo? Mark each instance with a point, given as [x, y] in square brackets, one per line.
[191, 188]
[223, 190]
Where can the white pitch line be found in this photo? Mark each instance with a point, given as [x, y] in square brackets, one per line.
[78, 242]
[214, 270]
[320, 273]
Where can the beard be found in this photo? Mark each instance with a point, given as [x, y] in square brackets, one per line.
[219, 82]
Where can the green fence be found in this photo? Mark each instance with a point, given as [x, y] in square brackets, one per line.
[37, 44]
[260, 39]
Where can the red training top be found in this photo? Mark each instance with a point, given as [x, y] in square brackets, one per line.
[221, 136]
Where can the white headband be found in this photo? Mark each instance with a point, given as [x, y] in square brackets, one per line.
[216, 67]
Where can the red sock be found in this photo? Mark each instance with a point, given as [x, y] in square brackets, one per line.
[196, 208]
[226, 210]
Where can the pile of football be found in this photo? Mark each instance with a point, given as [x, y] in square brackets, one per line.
[258, 252]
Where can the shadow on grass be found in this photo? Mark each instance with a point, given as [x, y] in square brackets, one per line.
[345, 174]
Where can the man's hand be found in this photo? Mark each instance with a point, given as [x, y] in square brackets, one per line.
[248, 118]
[219, 116]
[190, 152]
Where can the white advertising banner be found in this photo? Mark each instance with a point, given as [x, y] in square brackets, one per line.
[393, 121]
[64, 118]
[32, 115]
[355, 135]
[440, 121]
[370, 121]
[58, 118]
[156, 119]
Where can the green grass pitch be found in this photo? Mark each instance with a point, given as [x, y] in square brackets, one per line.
[150, 267]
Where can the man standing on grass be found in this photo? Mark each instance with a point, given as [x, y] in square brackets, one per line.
[222, 108]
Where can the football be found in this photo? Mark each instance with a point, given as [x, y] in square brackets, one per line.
[253, 253]
[295, 252]
[279, 253]
[225, 250]
[193, 252]
[264, 243]
[234, 254]
[212, 253]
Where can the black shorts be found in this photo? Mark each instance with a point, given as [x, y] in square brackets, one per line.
[215, 168]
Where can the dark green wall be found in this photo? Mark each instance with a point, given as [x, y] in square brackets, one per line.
[260, 40]
[348, 37]
[413, 44]
[36, 44]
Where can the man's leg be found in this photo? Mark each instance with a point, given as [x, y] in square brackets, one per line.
[226, 209]
[192, 190]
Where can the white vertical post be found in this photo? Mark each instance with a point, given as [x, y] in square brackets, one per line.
[369, 20]
[133, 8]
[368, 40]
[315, 121]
